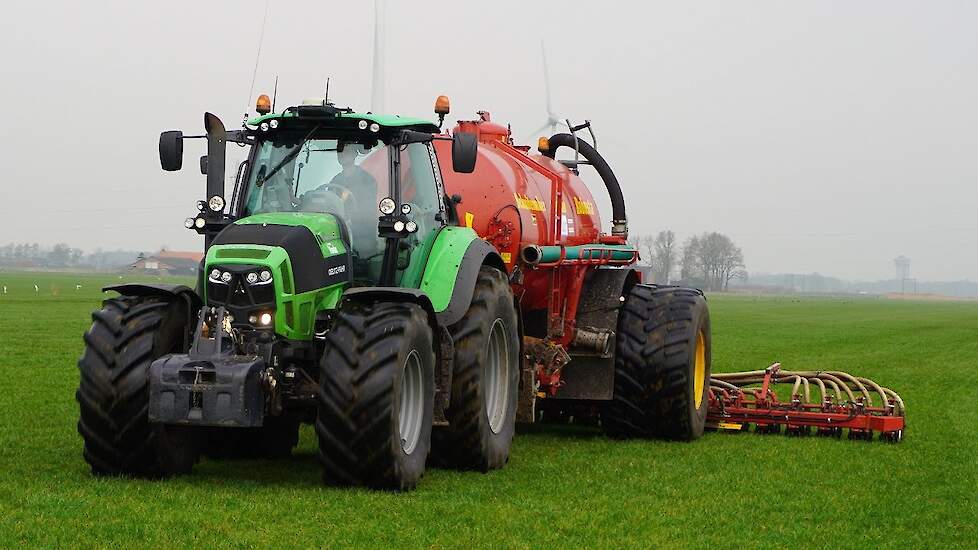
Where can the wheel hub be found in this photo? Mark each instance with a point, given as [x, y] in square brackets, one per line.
[496, 376]
[411, 412]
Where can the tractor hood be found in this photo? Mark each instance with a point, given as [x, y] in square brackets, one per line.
[305, 256]
[314, 243]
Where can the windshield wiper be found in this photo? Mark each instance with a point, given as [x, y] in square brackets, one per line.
[285, 160]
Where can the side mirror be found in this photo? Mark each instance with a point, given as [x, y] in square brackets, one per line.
[465, 151]
[203, 164]
[171, 150]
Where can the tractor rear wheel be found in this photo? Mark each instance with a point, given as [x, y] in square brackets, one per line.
[662, 365]
[485, 380]
[376, 396]
[126, 336]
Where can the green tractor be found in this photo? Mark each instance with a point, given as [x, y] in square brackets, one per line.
[302, 314]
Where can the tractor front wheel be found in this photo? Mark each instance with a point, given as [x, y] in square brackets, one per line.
[485, 380]
[126, 336]
[376, 396]
[662, 365]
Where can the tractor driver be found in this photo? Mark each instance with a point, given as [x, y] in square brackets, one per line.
[356, 190]
[353, 185]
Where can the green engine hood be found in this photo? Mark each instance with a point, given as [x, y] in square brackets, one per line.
[309, 275]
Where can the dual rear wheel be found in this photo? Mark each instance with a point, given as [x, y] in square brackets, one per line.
[485, 380]
[662, 365]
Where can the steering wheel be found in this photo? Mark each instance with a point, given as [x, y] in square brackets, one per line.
[345, 195]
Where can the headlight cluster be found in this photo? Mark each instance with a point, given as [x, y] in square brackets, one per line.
[263, 319]
[261, 277]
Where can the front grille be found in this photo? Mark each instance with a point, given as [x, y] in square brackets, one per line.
[240, 298]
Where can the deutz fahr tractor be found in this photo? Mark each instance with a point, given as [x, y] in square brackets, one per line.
[411, 292]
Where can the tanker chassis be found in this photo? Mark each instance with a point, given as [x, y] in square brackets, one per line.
[410, 292]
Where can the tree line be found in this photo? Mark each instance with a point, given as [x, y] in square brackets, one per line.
[708, 261]
[33, 255]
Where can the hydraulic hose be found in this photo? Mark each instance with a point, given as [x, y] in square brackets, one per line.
[619, 222]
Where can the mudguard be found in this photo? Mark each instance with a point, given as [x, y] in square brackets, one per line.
[164, 290]
[154, 289]
[591, 375]
[452, 268]
[366, 294]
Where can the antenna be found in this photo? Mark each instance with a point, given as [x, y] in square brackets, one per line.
[377, 84]
[326, 99]
[254, 73]
[274, 93]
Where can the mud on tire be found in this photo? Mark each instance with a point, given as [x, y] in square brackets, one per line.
[662, 365]
[485, 380]
[126, 335]
[376, 397]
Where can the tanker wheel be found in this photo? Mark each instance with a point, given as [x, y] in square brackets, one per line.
[126, 336]
[485, 380]
[376, 396]
[274, 440]
[662, 365]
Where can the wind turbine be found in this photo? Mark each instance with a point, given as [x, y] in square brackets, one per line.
[552, 119]
[377, 83]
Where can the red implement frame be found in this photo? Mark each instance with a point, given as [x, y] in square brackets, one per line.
[734, 406]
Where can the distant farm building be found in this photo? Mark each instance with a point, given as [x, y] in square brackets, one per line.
[168, 262]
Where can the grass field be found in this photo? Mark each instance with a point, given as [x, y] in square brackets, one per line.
[564, 486]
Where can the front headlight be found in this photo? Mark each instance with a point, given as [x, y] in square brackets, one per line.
[216, 203]
[387, 206]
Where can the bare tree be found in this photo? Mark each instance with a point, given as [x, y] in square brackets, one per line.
[692, 270]
[664, 255]
[712, 260]
[644, 244]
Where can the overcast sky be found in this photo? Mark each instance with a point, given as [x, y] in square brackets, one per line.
[822, 136]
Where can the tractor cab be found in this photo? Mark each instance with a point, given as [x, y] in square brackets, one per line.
[384, 192]
[327, 199]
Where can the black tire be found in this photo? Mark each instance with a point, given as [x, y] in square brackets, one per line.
[274, 440]
[368, 353]
[471, 441]
[655, 360]
[126, 336]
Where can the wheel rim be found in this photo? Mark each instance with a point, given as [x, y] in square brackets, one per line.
[411, 411]
[699, 370]
[496, 376]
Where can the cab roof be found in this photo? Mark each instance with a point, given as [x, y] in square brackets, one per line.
[387, 121]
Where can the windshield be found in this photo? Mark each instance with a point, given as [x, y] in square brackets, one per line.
[348, 178]
[317, 175]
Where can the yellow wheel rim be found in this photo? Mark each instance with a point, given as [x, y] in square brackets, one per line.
[699, 370]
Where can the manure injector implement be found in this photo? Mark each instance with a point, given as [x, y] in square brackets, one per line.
[412, 293]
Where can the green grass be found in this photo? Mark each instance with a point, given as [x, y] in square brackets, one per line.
[564, 485]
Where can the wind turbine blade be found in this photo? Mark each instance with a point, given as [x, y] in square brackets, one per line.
[546, 78]
[532, 136]
[541, 129]
[377, 83]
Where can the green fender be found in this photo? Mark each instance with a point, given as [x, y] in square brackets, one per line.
[453, 265]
